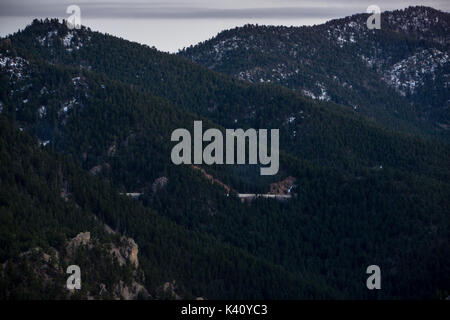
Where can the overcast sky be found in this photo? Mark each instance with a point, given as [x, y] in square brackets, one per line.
[172, 24]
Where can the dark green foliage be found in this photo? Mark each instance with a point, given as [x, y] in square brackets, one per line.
[349, 62]
[365, 194]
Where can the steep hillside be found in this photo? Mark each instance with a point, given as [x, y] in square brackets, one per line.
[47, 205]
[397, 75]
[364, 194]
[330, 134]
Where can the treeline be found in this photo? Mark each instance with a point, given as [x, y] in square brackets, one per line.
[364, 194]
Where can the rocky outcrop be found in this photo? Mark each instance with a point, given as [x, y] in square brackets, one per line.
[82, 238]
[159, 183]
[112, 150]
[168, 291]
[131, 251]
[49, 266]
[99, 168]
[41, 265]
[96, 170]
[282, 187]
[126, 252]
[131, 292]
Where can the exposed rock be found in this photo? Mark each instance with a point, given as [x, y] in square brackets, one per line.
[168, 290]
[282, 187]
[96, 170]
[108, 229]
[99, 168]
[214, 180]
[130, 292]
[51, 256]
[43, 264]
[131, 251]
[128, 251]
[82, 238]
[49, 267]
[159, 183]
[112, 150]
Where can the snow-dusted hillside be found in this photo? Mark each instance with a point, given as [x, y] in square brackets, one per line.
[379, 73]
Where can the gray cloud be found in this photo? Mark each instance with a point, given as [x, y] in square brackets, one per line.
[284, 9]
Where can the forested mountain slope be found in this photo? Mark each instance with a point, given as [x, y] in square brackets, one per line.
[330, 134]
[364, 194]
[397, 75]
[45, 201]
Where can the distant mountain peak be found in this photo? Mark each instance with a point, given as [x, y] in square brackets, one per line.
[342, 60]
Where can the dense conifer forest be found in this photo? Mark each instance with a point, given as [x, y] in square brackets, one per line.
[86, 118]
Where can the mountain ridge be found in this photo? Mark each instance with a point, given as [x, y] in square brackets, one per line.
[365, 193]
[344, 62]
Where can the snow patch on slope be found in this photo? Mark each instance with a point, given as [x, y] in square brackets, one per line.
[15, 66]
[408, 74]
